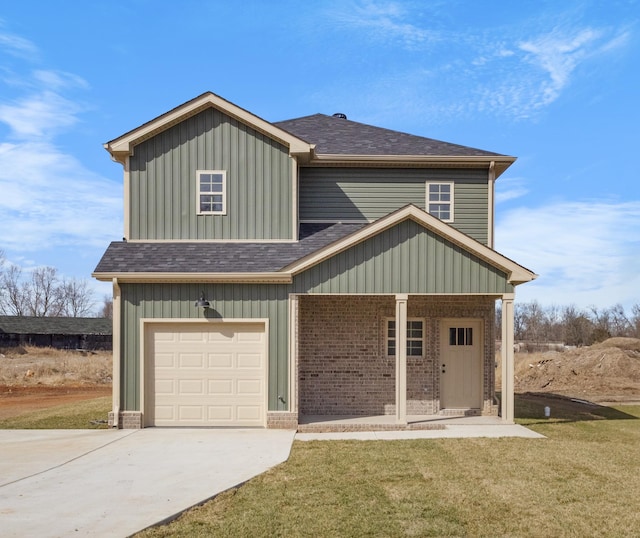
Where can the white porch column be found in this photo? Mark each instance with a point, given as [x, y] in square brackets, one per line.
[401, 358]
[507, 359]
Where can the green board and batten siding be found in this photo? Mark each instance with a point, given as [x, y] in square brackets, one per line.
[163, 182]
[406, 258]
[366, 194]
[243, 301]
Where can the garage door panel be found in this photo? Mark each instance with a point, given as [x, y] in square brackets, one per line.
[248, 412]
[208, 376]
[165, 412]
[220, 360]
[221, 336]
[191, 336]
[222, 387]
[252, 387]
[249, 360]
[191, 413]
[220, 413]
[188, 387]
[191, 360]
[165, 336]
[250, 336]
[165, 360]
[165, 387]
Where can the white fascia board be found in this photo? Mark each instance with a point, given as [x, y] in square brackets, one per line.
[123, 145]
[157, 277]
[501, 162]
[516, 273]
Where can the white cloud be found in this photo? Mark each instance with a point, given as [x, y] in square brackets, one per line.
[510, 188]
[57, 80]
[558, 54]
[54, 211]
[16, 45]
[383, 21]
[516, 75]
[50, 199]
[585, 253]
[43, 111]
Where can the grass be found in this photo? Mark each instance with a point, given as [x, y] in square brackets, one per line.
[77, 415]
[583, 480]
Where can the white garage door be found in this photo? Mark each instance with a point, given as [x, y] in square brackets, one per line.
[209, 374]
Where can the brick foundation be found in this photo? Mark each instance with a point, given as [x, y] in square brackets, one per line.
[280, 420]
[127, 420]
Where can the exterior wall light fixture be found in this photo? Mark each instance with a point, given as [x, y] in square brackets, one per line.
[202, 302]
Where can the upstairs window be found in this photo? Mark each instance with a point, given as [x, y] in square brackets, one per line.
[415, 338]
[440, 200]
[212, 192]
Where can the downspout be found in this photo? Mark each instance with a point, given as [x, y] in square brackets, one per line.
[491, 208]
[116, 314]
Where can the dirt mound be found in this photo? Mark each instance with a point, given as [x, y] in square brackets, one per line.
[608, 371]
[632, 344]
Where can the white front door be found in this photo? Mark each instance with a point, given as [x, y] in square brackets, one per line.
[461, 364]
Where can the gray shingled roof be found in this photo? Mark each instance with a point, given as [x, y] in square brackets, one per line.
[227, 257]
[54, 325]
[339, 136]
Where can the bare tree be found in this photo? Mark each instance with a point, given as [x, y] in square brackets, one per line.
[577, 327]
[44, 295]
[635, 320]
[13, 301]
[107, 307]
[620, 325]
[77, 298]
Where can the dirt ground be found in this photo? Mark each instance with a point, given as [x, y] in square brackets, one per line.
[607, 372]
[16, 400]
[34, 378]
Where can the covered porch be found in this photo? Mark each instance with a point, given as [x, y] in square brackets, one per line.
[382, 362]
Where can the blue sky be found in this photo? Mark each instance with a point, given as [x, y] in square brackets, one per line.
[556, 84]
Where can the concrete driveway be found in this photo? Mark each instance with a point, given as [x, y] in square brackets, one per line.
[117, 482]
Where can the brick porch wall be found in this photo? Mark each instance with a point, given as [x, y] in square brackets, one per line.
[341, 370]
[342, 364]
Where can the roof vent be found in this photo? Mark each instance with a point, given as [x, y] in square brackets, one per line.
[340, 115]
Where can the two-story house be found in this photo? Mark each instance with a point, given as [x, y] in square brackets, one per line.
[310, 267]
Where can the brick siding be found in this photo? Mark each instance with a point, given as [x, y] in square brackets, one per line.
[343, 368]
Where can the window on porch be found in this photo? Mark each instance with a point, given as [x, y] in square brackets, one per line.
[415, 337]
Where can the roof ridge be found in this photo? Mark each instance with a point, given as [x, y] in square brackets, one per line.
[343, 136]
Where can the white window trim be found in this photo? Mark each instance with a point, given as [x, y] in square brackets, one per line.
[223, 193]
[424, 339]
[451, 202]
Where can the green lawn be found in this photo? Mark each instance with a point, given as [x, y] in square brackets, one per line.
[583, 480]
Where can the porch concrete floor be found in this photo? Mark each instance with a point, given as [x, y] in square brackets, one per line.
[390, 420]
[319, 427]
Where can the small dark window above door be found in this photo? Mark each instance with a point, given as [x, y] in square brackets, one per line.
[460, 336]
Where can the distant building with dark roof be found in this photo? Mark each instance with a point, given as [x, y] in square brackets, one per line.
[61, 333]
